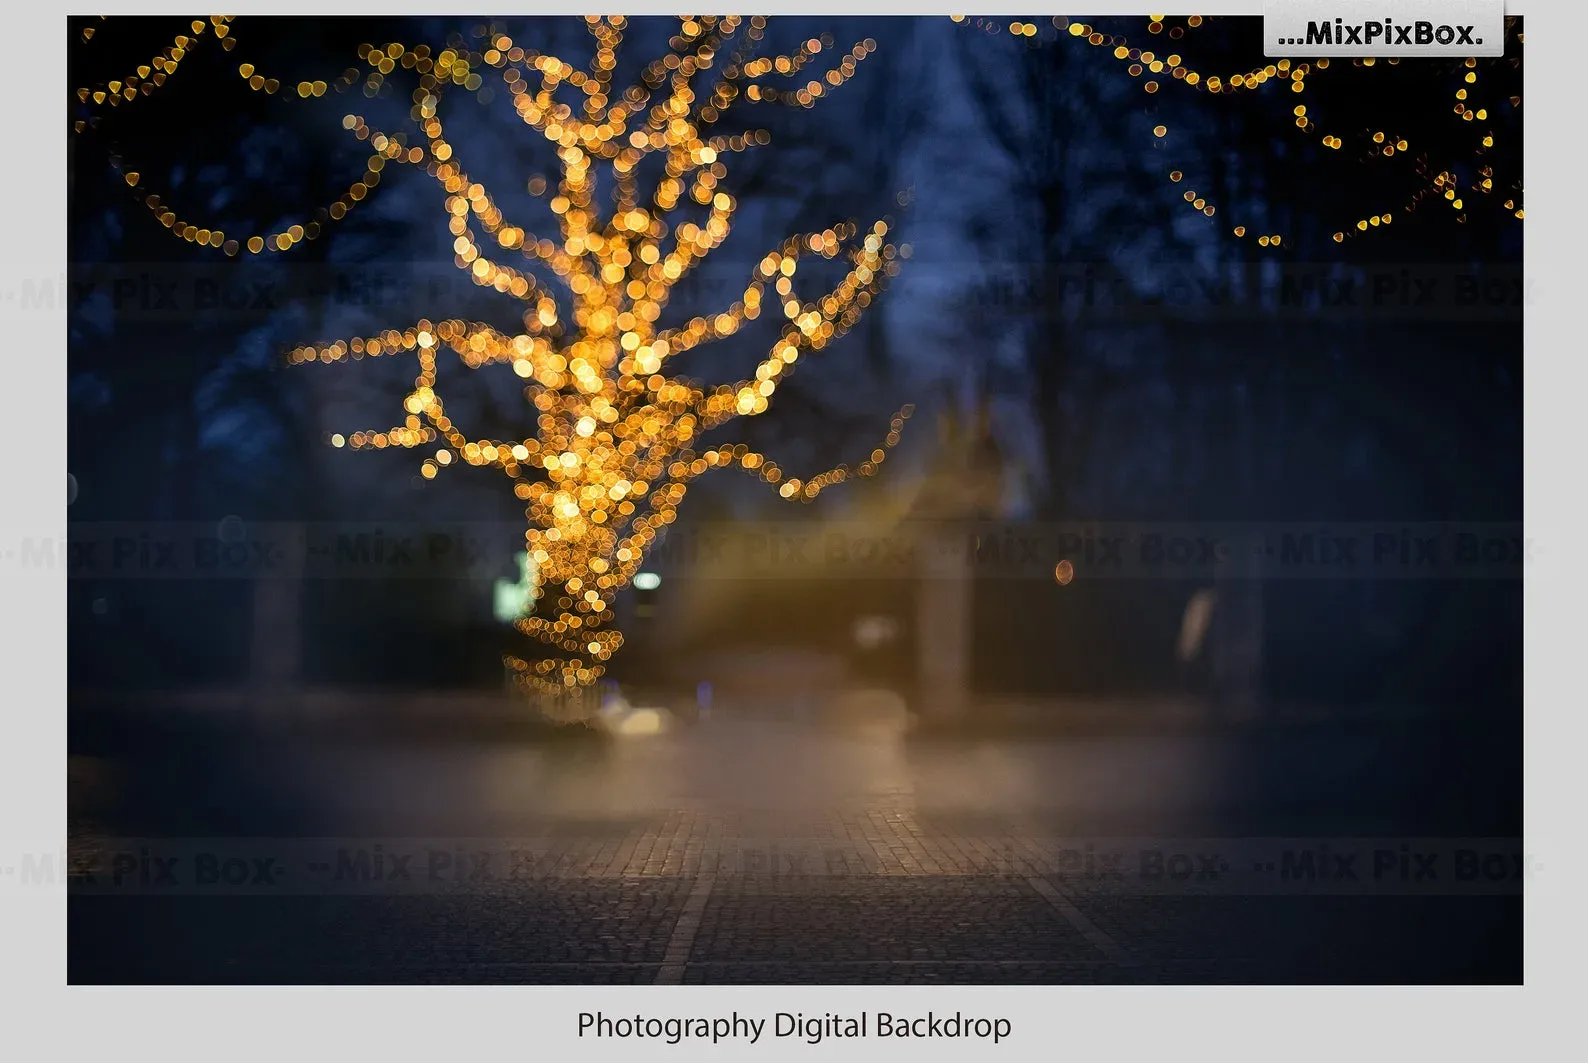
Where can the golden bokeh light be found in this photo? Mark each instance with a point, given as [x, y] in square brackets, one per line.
[1291, 76]
[150, 76]
[616, 439]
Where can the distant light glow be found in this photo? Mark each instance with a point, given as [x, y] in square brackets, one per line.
[873, 631]
[1194, 624]
[647, 581]
[512, 600]
[642, 723]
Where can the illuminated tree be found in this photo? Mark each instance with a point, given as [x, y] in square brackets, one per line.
[616, 437]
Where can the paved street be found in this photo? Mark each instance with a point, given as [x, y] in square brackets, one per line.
[785, 853]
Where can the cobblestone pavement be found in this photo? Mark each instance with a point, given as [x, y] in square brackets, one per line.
[737, 882]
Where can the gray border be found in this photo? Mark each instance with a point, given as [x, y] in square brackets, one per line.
[1252, 1023]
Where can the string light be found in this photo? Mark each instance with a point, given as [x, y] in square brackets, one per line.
[151, 75]
[1154, 67]
[616, 440]
[386, 149]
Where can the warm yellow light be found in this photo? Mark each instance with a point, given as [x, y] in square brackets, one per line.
[613, 446]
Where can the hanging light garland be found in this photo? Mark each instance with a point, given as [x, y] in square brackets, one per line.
[149, 76]
[1155, 67]
[380, 61]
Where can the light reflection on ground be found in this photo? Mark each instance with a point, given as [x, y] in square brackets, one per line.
[729, 767]
[1348, 781]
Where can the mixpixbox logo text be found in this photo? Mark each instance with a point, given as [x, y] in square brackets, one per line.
[1427, 28]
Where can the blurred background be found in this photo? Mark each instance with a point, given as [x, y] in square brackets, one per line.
[1021, 172]
[1154, 290]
